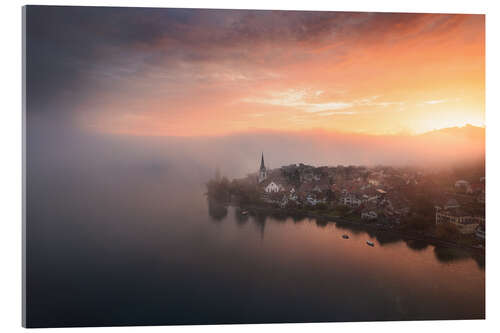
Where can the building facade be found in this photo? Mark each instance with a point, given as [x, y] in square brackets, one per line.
[465, 223]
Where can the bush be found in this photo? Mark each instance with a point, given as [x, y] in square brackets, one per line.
[321, 206]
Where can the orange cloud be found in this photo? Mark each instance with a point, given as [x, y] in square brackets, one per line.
[235, 71]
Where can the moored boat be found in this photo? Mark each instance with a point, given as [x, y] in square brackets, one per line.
[370, 243]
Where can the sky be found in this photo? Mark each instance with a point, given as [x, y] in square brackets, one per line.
[192, 73]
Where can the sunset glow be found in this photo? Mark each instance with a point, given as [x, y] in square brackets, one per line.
[235, 71]
[176, 72]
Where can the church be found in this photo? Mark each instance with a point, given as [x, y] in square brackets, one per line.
[262, 170]
[270, 184]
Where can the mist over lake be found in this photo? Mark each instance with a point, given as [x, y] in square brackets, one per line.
[120, 232]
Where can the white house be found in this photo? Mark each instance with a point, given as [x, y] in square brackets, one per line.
[481, 232]
[452, 203]
[272, 187]
[466, 223]
[369, 215]
[461, 183]
[350, 200]
[311, 200]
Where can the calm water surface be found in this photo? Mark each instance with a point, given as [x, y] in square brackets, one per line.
[124, 247]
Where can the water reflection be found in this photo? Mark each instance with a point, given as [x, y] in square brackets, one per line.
[259, 218]
[417, 245]
[240, 218]
[449, 254]
[217, 211]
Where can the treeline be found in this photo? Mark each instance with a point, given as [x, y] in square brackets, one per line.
[219, 190]
[222, 190]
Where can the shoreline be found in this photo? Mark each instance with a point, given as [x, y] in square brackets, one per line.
[405, 236]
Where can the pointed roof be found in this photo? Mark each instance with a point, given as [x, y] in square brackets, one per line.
[262, 166]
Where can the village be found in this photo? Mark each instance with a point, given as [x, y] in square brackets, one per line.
[408, 199]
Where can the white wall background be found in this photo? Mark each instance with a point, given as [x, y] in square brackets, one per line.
[10, 157]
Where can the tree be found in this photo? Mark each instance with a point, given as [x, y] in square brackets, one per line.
[447, 231]
[419, 222]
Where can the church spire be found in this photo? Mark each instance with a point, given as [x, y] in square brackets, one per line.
[262, 171]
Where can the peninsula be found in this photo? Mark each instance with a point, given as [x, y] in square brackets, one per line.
[444, 206]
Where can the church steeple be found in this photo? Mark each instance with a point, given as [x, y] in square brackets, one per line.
[262, 170]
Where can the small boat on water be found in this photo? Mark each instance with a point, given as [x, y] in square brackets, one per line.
[244, 212]
[370, 243]
[345, 237]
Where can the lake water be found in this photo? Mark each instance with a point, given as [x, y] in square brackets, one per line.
[122, 250]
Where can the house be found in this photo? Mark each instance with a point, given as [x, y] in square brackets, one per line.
[374, 181]
[462, 186]
[284, 201]
[381, 192]
[461, 183]
[369, 215]
[373, 199]
[321, 186]
[466, 223]
[350, 200]
[292, 195]
[480, 232]
[451, 204]
[273, 187]
[311, 200]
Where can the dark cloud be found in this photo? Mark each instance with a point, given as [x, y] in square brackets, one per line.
[71, 51]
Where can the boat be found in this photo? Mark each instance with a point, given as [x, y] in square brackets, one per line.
[370, 243]
[244, 212]
[345, 237]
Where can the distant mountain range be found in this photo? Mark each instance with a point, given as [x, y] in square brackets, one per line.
[468, 132]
